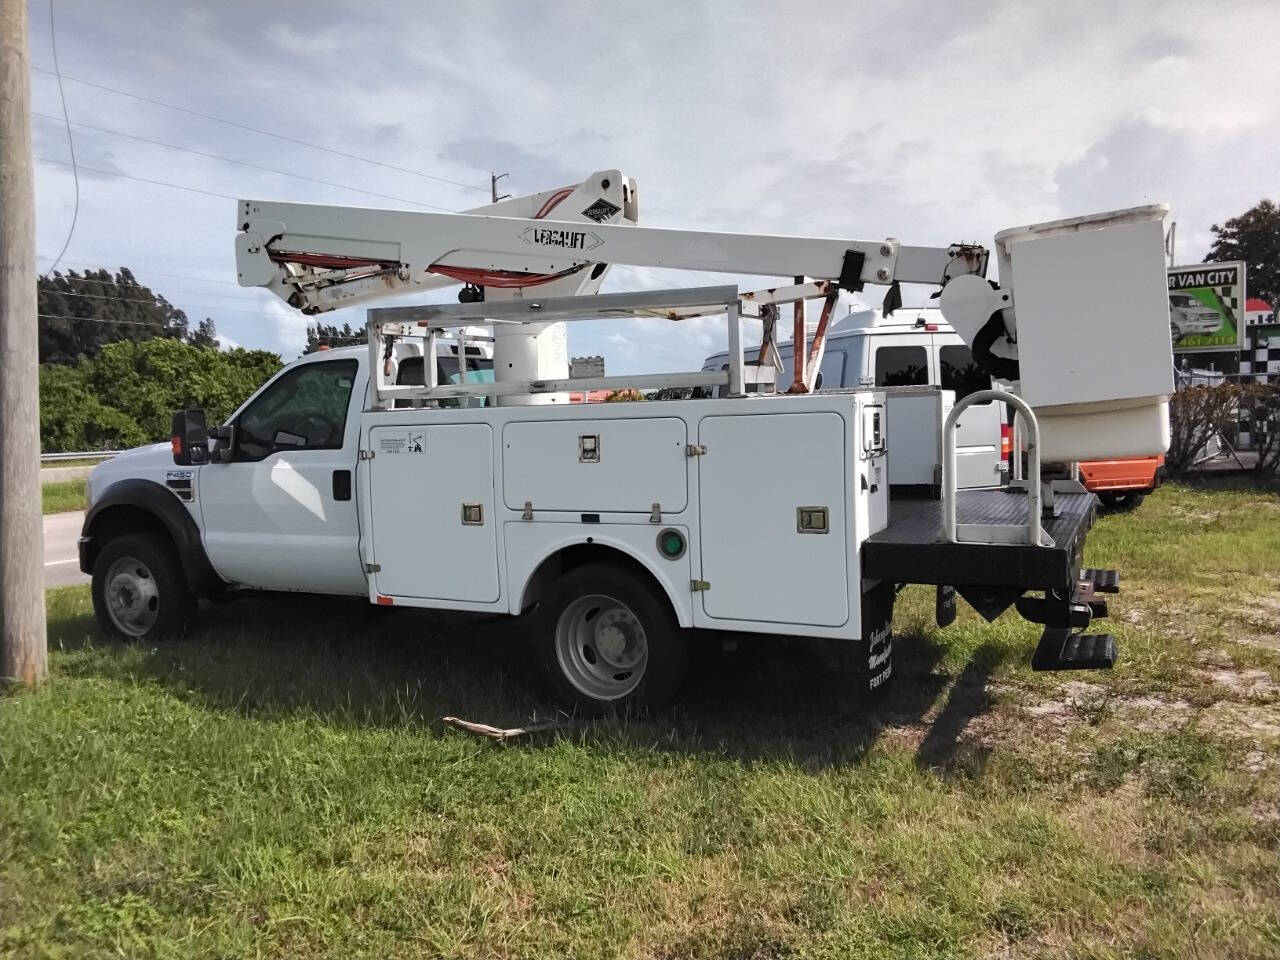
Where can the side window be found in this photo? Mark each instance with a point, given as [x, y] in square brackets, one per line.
[901, 367]
[960, 373]
[411, 372]
[305, 409]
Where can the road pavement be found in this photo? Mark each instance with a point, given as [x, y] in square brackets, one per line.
[61, 553]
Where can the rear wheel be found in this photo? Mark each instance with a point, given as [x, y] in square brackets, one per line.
[606, 640]
[1122, 500]
[139, 592]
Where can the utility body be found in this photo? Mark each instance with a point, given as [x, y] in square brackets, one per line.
[441, 466]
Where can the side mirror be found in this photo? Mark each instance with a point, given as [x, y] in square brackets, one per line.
[228, 441]
[189, 438]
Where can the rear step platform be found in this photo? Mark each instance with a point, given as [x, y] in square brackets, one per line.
[1060, 649]
[1104, 581]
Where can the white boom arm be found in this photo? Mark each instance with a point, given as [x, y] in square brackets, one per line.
[320, 258]
[1086, 336]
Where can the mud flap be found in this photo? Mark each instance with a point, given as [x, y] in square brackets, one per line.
[944, 607]
[876, 654]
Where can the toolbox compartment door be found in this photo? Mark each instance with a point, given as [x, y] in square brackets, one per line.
[597, 466]
[758, 472]
[431, 504]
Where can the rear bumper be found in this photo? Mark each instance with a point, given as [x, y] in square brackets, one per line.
[1115, 475]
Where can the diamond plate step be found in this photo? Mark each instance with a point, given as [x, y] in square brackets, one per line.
[1060, 649]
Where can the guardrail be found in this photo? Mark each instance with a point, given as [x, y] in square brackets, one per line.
[85, 455]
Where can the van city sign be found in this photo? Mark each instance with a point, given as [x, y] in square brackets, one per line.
[1206, 306]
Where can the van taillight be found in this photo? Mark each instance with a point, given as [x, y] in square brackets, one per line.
[1006, 442]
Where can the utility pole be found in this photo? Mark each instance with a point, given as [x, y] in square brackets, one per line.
[23, 646]
[493, 186]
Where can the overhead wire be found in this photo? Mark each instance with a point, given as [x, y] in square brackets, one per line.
[129, 176]
[245, 163]
[153, 273]
[268, 133]
[71, 143]
[103, 296]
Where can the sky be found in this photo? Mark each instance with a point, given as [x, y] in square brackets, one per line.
[931, 123]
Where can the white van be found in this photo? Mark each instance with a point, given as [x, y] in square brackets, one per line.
[913, 347]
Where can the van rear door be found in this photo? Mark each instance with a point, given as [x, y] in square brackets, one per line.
[978, 459]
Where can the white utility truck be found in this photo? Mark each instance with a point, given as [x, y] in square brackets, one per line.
[394, 471]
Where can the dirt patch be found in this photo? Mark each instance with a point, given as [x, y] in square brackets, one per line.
[1244, 684]
[1238, 720]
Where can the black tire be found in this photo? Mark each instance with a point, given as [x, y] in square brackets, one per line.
[144, 601]
[1121, 501]
[570, 675]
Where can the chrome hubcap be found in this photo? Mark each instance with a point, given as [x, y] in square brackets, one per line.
[601, 647]
[133, 599]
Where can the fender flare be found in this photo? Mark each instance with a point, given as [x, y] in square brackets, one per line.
[602, 540]
[160, 503]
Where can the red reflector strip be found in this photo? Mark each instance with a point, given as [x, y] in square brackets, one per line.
[385, 601]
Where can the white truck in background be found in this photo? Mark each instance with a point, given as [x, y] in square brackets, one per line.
[619, 529]
[913, 348]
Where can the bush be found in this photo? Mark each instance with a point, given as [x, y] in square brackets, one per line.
[1196, 414]
[126, 394]
[1262, 403]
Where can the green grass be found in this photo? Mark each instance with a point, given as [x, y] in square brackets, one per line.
[278, 784]
[63, 496]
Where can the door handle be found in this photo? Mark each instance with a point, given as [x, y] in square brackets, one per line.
[342, 485]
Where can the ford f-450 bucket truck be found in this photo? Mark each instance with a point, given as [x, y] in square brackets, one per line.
[388, 472]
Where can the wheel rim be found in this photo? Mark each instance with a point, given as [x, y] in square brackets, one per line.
[133, 599]
[601, 647]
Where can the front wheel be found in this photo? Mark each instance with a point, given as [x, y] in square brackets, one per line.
[139, 592]
[608, 640]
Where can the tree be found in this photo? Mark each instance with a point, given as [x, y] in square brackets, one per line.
[331, 335]
[126, 394]
[204, 335]
[1253, 237]
[81, 313]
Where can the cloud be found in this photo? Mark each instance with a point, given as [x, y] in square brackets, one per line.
[923, 122]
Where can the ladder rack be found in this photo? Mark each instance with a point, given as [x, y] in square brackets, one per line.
[429, 321]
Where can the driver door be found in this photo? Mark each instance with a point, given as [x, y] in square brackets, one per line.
[282, 514]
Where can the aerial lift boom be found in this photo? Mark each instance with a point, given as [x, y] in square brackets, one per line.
[1100, 377]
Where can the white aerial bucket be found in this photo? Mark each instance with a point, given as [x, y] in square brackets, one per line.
[1090, 315]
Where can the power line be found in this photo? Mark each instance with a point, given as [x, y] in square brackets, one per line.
[169, 303]
[243, 163]
[129, 176]
[267, 133]
[154, 273]
[131, 323]
[199, 294]
[71, 144]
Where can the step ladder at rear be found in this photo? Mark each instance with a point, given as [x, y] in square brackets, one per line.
[1060, 649]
